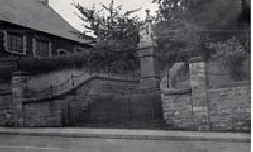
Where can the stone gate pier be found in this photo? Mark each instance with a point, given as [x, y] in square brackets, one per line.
[19, 81]
[198, 83]
[148, 57]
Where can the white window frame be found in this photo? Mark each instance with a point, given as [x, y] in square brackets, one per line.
[24, 44]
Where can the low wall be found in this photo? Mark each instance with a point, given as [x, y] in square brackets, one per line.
[42, 81]
[101, 101]
[216, 101]
[5, 104]
[42, 114]
[228, 109]
[71, 108]
[178, 109]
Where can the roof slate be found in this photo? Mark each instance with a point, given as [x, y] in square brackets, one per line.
[36, 15]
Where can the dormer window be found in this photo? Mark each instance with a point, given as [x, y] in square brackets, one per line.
[15, 42]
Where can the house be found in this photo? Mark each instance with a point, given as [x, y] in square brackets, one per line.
[32, 28]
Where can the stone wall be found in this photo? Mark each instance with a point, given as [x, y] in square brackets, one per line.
[229, 108]
[112, 86]
[42, 81]
[218, 74]
[42, 114]
[99, 102]
[221, 107]
[178, 75]
[178, 111]
[5, 104]
[72, 108]
[125, 111]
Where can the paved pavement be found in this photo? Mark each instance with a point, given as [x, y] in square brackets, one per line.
[64, 140]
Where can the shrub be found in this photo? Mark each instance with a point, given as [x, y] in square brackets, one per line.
[98, 59]
[44, 65]
[232, 54]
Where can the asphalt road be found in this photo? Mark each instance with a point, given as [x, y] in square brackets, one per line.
[21, 143]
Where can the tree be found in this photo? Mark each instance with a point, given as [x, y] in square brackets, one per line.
[184, 26]
[177, 38]
[171, 10]
[110, 22]
[232, 53]
[118, 36]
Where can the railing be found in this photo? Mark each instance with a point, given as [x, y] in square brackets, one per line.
[71, 83]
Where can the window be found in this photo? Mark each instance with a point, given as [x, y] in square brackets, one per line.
[15, 43]
[42, 48]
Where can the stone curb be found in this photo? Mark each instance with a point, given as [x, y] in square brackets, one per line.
[133, 134]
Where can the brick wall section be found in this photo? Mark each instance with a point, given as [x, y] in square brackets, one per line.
[229, 108]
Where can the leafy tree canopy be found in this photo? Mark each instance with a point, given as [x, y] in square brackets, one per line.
[117, 34]
[184, 26]
[110, 22]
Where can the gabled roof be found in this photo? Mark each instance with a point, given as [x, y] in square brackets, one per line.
[36, 15]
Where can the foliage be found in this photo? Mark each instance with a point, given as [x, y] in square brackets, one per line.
[96, 60]
[113, 61]
[178, 43]
[110, 22]
[118, 36]
[181, 24]
[232, 54]
[177, 38]
[178, 11]
[171, 10]
[45, 65]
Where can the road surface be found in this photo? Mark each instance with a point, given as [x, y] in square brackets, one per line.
[26, 143]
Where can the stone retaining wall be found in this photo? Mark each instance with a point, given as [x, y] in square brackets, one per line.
[226, 108]
[42, 114]
[229, 108]
[71, 108]
[178, 111]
